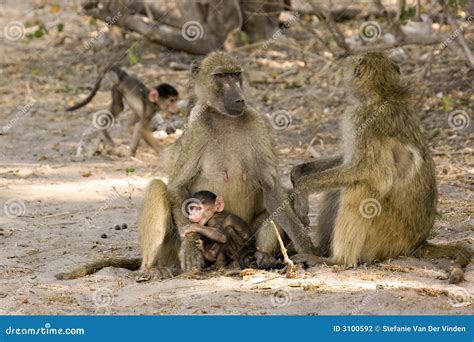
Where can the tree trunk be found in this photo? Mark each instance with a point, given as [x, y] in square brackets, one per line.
[203, 26]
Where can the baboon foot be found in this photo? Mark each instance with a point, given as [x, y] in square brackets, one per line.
[310, 260]
[154, 274]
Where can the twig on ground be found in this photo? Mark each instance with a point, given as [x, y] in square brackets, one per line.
[290, 266]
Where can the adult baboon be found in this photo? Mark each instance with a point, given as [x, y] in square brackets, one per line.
[382, 189]
[226, 149]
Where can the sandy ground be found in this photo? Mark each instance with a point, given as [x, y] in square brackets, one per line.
[56, 209]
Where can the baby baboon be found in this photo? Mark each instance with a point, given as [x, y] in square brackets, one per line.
[144, 103]
[224, 237]
[382, 189]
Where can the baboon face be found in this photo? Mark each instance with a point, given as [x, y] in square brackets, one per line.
[218, 83]
[375, 72]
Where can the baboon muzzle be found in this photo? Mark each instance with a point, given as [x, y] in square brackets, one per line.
[234, 102]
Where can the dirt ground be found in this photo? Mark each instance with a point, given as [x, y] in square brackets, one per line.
[60, 211]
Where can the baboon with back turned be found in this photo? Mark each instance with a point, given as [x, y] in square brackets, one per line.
[381, 193]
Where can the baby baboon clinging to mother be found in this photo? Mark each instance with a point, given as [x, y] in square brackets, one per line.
[381, 193]
[224, 237]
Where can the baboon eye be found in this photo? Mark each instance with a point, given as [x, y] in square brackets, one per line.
[237, 73]
[219, 74]
[397, 67]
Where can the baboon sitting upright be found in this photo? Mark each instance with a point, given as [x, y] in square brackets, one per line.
[382, 189]
[226, 149]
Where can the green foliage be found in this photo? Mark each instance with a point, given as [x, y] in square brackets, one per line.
[132, 58]
[244, 38]
[457, 5]
[435, 132]
[129, 170]
[446, 104]
[71, 90]
[38, 33]
[60, 27]
[408, 13]
[36, 70]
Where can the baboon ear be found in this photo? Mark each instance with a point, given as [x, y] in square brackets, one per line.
[153, 95]
[195, 67]
[219, 204]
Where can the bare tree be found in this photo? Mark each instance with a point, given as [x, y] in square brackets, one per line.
[203, 25]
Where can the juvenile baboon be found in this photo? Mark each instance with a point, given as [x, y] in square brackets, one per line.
[226, 149]
[144, 103]
[382, 189]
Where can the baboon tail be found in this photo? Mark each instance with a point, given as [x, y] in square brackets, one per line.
[132, 264]
[457, 252]
[89, 97]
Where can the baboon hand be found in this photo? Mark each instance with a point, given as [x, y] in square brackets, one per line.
[301, 207]
[190, 256]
